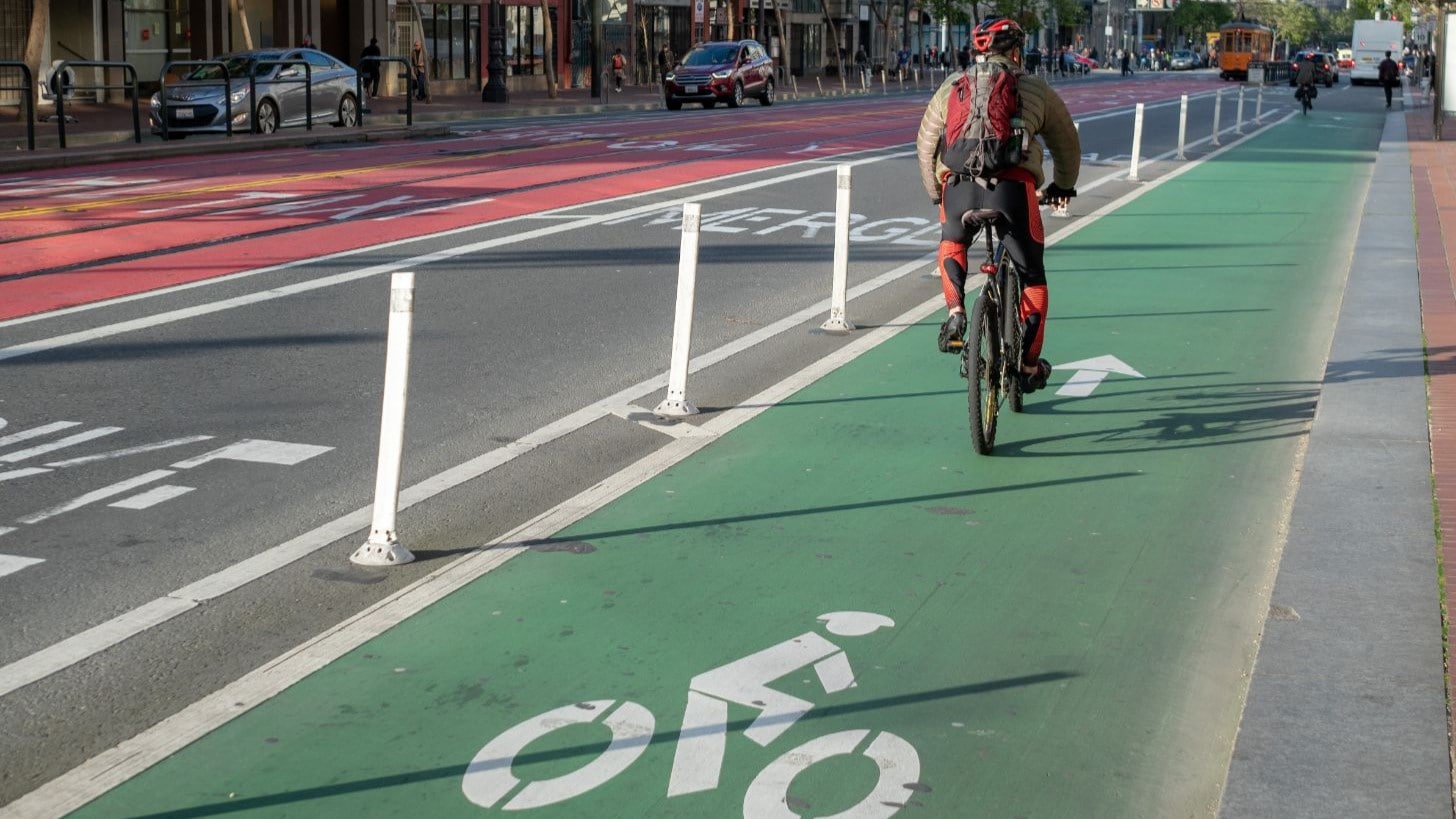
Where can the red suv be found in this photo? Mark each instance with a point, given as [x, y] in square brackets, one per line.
[727, 71]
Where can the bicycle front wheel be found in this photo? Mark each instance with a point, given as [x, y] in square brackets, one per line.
[983, 373]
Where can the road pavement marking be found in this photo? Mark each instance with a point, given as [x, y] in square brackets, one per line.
[45, 429]
[1090, 372]
[131, 450]
[10, 564]
[118, 488]
[153, 496]
[70, 440]
[279, 453]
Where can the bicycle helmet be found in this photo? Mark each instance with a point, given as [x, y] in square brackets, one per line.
[998, 35]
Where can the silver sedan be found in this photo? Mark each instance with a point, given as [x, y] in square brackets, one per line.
[196, 104]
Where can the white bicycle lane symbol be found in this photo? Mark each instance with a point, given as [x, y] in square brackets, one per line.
[703, 741]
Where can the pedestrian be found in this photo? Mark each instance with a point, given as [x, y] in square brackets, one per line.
[418, 62]
[370, 69]
[307, 42]
[862, 64]
[1126, 63]
[1389, 75]
[619, 68]
[665, 62]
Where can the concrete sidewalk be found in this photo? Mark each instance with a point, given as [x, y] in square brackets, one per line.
[1346, 712]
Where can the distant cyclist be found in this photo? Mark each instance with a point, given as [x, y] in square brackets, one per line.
[1304, 82]
[1042, 113]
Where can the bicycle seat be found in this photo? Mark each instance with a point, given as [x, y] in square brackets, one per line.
[982, 216]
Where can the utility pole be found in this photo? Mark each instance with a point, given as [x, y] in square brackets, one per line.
[595, 7]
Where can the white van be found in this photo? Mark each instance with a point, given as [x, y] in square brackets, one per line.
[1371, 40]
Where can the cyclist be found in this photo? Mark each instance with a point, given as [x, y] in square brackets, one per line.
[1014, 195]
[1304, 79]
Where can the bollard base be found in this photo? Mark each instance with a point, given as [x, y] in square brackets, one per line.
[675, 409]
[381, 552]
[838, 324]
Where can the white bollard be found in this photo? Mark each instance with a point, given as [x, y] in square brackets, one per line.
[837, 322]
[1137, 140]
[1259, 107]
[383, 547]
[1182, 126]
[1239, 120]
[820, 83]
[1217, 111]
[884, 82]
[794, 81]
[676, 403]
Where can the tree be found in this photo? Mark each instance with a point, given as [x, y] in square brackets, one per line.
[40, 23]
[1199, 17]
[236, 6]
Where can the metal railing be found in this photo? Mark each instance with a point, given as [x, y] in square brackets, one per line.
[131, 85]
[27, 89]
[409, 86]
[225, 82]
[307, 81]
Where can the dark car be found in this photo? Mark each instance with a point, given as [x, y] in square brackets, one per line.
[721, 71]
[1325, 70]
[195, 104]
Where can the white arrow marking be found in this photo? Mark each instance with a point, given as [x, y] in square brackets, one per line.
[1090, 372]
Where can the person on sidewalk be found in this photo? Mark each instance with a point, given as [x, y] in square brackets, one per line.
[665, 60]
[1389, 75]
[619, 68]
[1126, 63]
[1013, 193]
[418, 62]
[370, 70]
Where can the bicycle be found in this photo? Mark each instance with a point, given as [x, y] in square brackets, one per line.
[1305, 95]
[991, 355]
[702, 744]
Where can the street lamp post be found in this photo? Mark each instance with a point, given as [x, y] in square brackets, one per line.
[495, 85]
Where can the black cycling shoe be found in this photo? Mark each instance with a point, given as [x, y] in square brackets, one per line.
[952, 333]
[1031, 382]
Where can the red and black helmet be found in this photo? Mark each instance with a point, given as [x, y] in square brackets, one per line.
[997, 34]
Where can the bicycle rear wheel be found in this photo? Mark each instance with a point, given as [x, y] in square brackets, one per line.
[983, 373]
[1011, 350]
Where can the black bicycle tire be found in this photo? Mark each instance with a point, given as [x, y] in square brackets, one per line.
[982, 375]
[1013, 334]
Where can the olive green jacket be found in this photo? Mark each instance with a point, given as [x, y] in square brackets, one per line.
[1042, 114]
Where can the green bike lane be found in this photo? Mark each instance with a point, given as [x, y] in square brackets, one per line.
[1064, 628]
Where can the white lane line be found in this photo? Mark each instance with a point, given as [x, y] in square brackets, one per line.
[69, 440]
[5, 530]
[22, 473]
[153, 496]
[73, 650]
[438, 208]
[46, 429]
[10, 564]
[119, 764]
[691, 187]
[118, 488]
[132, 450]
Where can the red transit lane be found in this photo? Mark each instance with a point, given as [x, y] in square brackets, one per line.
[77, 238]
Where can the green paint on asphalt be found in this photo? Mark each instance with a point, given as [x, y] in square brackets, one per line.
[1074, 616]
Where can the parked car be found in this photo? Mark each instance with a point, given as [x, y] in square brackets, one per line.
[1325, 70]
[1184, 61]
[721, 72]
[195, 104]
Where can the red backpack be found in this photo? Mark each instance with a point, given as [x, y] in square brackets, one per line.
[983, 132]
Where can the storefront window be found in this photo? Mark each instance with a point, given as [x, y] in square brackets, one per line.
[451, 33]
[525, 39]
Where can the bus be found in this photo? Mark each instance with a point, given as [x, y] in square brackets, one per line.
[1372, 39]
[1240, 43]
